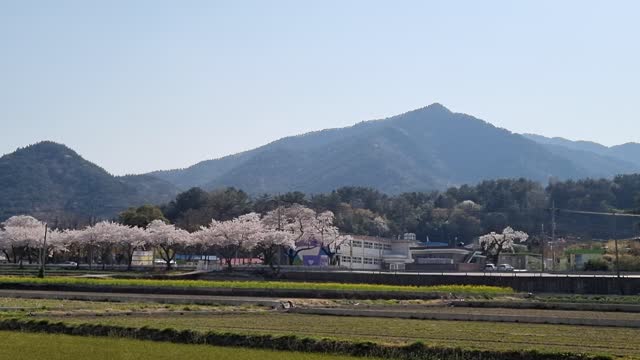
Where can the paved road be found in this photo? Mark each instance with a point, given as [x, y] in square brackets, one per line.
[497, 315]
[158, 298]
[493, 273]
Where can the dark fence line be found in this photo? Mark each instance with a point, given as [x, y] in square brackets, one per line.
[530, 284]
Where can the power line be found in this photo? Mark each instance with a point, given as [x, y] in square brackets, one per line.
[598, 213]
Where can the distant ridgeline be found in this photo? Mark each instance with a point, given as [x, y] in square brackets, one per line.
[426, 149]
[408, 157]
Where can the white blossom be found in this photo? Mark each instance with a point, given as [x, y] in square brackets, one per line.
[493, 243]
[167, 239]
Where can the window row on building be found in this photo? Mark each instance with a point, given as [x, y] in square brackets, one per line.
[370, 245]
[360, 260]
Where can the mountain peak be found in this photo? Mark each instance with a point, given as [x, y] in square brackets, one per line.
[46, 149]
[51, 181]
[436, 107]
[435, 110]
[45, 145]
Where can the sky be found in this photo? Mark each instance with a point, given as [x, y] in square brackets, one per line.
[136, 86]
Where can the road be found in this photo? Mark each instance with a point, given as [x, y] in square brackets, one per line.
[128, 297]
[495, 274]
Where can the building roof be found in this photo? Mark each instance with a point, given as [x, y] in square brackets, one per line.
[440, 251]
[433, 244]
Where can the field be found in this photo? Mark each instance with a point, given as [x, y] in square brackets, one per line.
[252, 326]
[10, 307]
[619, 342]
[456, 289]
[24, 346]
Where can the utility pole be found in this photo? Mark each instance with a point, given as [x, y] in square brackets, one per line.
[43, 255]
[542, 243]
[553, 221]
[615, 240]
[553, 229]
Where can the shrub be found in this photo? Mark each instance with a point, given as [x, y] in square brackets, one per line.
[629, 263]
[596, 265]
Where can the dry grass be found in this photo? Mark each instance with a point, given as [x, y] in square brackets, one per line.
[619, 342]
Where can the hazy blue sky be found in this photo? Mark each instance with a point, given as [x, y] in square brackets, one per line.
[142, 85]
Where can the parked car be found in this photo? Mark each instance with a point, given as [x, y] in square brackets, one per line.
[489, 267]
[66, 264]
[161, 262]
[505, 267]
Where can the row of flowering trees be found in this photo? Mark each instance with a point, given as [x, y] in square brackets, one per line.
[291, 229]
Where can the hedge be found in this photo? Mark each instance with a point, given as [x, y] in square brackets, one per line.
[286, 343]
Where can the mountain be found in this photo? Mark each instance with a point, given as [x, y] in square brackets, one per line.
[624, 155]
[51, 181]
[579, 145]
[421, 150]
[628, 152]
[425, 149]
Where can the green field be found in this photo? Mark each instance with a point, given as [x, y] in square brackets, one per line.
[619, 342]
[27, 346]
[457, 289]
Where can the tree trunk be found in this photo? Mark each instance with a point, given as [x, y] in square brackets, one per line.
[167, 256]
[129, 260]
[7, 255]
[293, 254]
[78, 258]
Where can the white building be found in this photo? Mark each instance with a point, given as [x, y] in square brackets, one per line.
[375, 253]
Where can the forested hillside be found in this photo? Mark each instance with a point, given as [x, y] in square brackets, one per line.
[457, 214]
[421, 150]
[54, 183]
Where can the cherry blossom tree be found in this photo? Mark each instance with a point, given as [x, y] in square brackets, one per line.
[55, 243]
[280, 227]
[328, 235]
[100, 237]
[130, 239]
[227, 238]
[308, 229]
[70, 241]
[21, 236]
[4, 243]
[493, 244]
[167, 239]
[271, 243]
[297, 220]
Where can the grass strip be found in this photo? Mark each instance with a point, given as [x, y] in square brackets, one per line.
[413, 351]
[31, 346]
[284, 285]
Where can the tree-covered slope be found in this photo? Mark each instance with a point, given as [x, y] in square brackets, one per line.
[623, 158]
[424, 149]
[51, 181]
